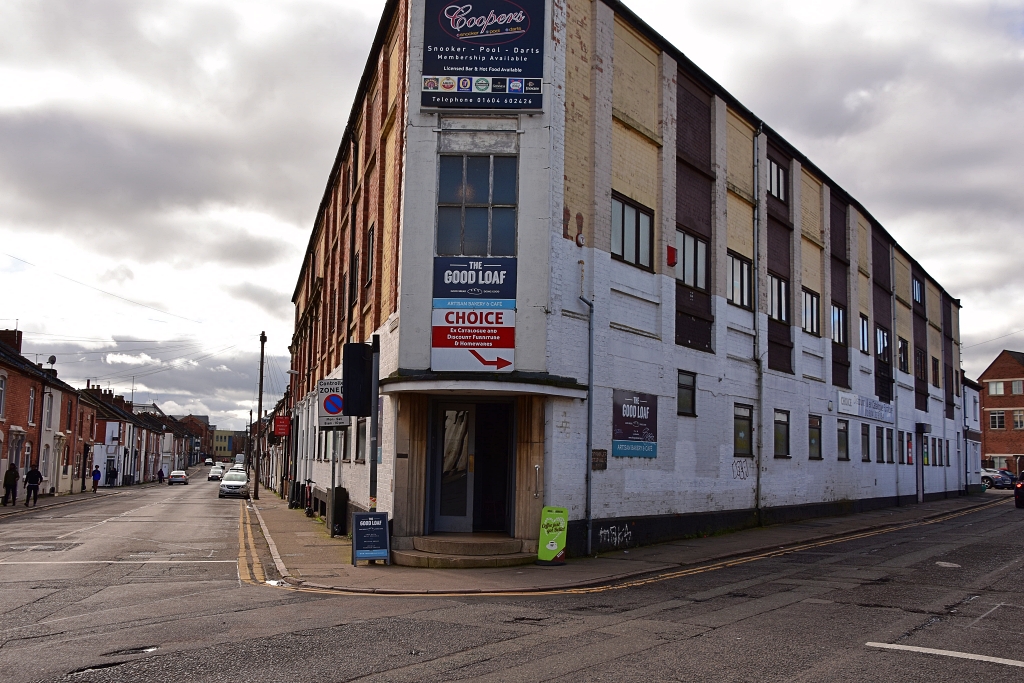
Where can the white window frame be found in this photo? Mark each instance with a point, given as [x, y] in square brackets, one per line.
[778, 299]
[692, 266]
[996, 389]
[739, 290]
[812, 313]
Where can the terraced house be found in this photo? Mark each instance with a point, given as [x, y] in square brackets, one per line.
[534, 198]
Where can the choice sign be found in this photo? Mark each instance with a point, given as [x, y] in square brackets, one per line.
[483, 54]
[473, 322]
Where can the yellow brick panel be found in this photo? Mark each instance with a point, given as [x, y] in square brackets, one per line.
[863, 244]
[903, 287]
[933, 303]
[389, 218]
[635, 88]
[634, 166]
[394, 72]
[904, 321]
[579, 123]
[740, 153]
[864, 293]
[954, 318]
[810, 208]
[811, 262]
[740, 219]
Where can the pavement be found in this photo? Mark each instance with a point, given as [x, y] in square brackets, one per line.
[305, 555]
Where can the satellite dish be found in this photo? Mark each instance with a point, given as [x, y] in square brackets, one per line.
[51, 360]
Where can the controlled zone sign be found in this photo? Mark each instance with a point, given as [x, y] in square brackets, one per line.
[329, 405]
[482, 340]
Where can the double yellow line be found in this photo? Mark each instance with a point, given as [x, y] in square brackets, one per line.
[675, 574]
[247, 550]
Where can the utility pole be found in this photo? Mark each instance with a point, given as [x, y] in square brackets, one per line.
[259, 421]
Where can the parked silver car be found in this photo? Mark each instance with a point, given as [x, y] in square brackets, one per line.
[234, 484]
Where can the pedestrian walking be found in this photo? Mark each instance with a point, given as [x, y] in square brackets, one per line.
[160, 475]
[33, 478]
[96, 475]
[11, 484]
[112, 477]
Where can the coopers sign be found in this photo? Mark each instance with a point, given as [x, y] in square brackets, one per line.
[483, 54]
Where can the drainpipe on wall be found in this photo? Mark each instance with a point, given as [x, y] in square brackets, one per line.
[757, 327]
[896, 367]
[590, 411]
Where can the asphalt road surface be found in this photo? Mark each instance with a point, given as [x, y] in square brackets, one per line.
[146, 586]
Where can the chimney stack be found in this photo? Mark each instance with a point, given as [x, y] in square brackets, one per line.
[12, 338]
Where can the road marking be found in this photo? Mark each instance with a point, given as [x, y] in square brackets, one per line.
[257, 566]
[948, 653]
[243, 565]
[984, 615]
[118, 562]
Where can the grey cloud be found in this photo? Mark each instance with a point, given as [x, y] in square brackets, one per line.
[118, 275]
[275, 303]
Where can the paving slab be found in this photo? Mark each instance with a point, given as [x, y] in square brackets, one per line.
[306, 555]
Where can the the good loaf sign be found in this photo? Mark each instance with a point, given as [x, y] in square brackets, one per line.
[634, 424]
[483, 54]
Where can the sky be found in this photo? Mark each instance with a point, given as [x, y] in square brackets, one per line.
[162, 161]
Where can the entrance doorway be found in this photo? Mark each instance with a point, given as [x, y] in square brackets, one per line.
[471, 463]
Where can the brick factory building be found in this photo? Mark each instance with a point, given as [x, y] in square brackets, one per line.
[1002, 408]
[763, 349]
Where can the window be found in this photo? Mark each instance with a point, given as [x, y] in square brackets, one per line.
[28, 454]
[843, 439]
[865, 334]
[742, 425]
[739, 281]
[48, 419]
[882, 344]
[44, 466]
[781, 434]
[918, 291]
[686, 394]
[691, 269]
[865, 443]
[903, 354]
[838, 324]
[476, 206]
[879, 444]
[812, 315]
[920, 371]
[814, 437]
[995, 389]
[1017, 387]
[361, 444]
[778, 299]
[888, 446]
[1018, 419]
[937, 452]
[997, 420]
[32, 405]
[632, 233]
[369, 256]
[935, 372]
[776, 180]
[947, 449]
[902, 441]
[975, 407]
[70, 416]
[3, 394]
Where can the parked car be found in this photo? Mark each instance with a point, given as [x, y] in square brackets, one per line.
[994, 479]
[209, 461]
[234, 484]
[1018, 494]
[238, 468]
[215, 473]
[1010, 475]
[178, 477]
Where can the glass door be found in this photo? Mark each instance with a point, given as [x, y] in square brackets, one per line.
[453, 507]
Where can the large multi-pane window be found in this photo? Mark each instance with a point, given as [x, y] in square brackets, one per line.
[476, 206]
[865, 443]
[781, 433]
[812, 314]
[814, 437]
[691, 269]
[903, 354]
[995, 389]
[997, 420]
[918, 291]
[879, 444]
[739, 288]
[742, 425]
[686, 394]
[776, 180]
[936, 381]
[1018, 419]
[843, 439]
[888, 446]
[632, 233]
[920, 369]
[778, 299]
[838, 324]
[1017, 386]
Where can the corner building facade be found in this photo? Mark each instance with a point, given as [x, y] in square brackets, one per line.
[763, 349]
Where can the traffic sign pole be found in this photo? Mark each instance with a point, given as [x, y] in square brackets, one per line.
[374, 417]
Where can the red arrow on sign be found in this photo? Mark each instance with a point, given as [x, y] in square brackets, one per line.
[498, 362]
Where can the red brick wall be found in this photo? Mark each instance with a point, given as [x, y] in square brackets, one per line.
[1007, 441]
[16, 411]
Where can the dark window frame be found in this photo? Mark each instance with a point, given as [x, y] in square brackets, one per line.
[737, 421]
[700, 271]
[882, 337]
[640, 210]
[778, 298]
[843, 440]
[903, 354]
[917, 290]
[781, 433]
[865, 334]
[839, 325]
[691, 390]
[777, 180]
[812, 303]
[865, 442]
[936, 373]
[744, 267]
[814, 451]
[463, 204]
[879, 444]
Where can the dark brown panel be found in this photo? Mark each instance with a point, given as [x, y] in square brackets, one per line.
[840, 365]
[693, 332]
[880, 265]
[837, 228]
[780, 357]
[693, 124]
[694, 192]
[840, 283]
[882, 300]
[779, 237]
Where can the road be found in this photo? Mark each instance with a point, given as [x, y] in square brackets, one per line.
[146, 586]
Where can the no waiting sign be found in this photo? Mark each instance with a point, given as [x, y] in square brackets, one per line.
[329, 403]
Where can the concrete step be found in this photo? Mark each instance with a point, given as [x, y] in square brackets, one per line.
[418, 558]
[467, 544]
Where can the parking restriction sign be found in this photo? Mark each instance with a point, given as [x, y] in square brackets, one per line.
[329, 405]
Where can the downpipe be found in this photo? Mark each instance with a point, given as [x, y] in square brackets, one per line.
[758, 360]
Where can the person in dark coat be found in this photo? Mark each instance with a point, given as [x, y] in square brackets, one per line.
[160, 475]
[11, 484]
[32, 481]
